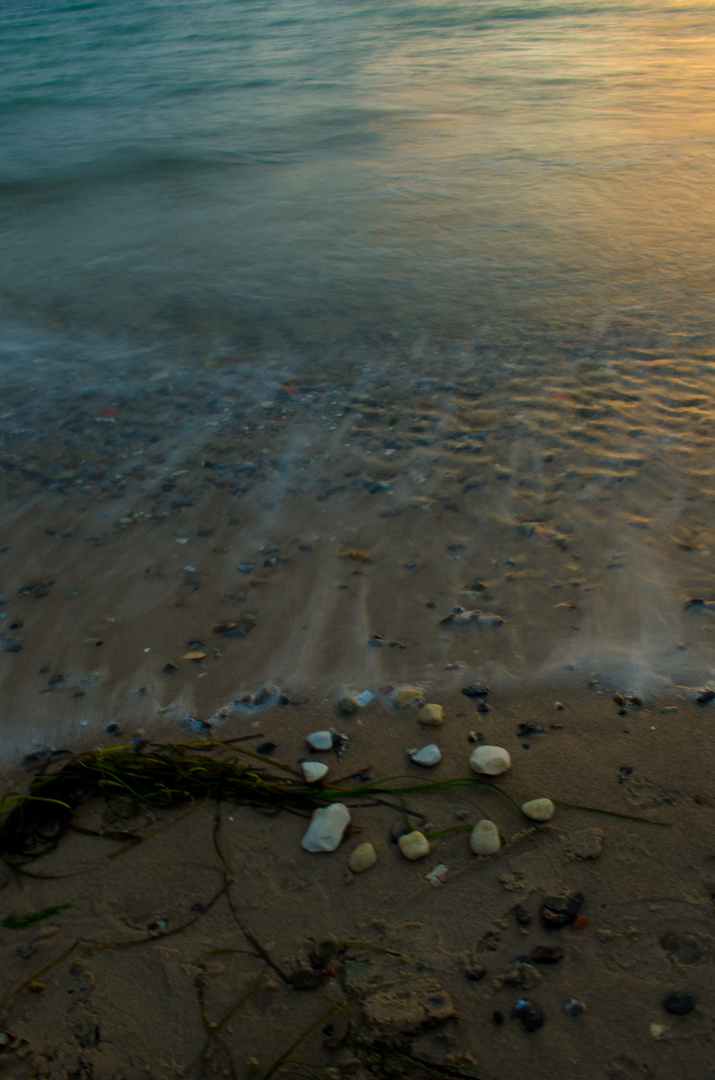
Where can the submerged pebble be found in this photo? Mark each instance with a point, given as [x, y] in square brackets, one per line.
[414, 845]
[347, 705]
[362, 858]
[490, 760]
[538, 809]
[326, 828]
[484, 838]
[407, 695]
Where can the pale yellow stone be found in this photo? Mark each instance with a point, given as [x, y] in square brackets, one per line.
[431, 715]
[538, 809]
[407, 695]
[414, 845]
[362, 858]
[490, 760]
[484, 838]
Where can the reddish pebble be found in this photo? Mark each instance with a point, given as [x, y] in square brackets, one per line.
[330, 970]
[579, 923]
[702, 800]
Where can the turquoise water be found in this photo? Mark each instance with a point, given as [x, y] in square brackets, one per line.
[227, 172]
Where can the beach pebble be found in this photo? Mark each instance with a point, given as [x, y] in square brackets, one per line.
[531, 1016]
[557, 911]
[347, 704]
[490, 760]
[679, 1003]
[320, 740]
[431, 715]
[364, 698]
[407, 695]
[326, 828]
[574, 1007]
[538, 809]
[484, 838]
[426, 755]
[362, 858]
[414, 845]
[313, 770]
[437, 876]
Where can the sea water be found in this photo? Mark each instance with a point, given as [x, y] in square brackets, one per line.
[459, 199]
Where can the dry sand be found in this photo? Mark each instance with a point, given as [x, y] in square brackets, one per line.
[141, 570]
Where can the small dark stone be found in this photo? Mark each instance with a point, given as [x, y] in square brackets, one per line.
[557, 911]
[705, 697]
[531, 1016]
[328, 1030]
[197, 908]
[523, 917]
[680, 1003]
[56, 680]
[475, 972]
[476, 690]
[168, 668]
[524, 730]
[266, 748]
[158, 927]
[483, 707]
[498, 1017]
[17, 625]
[112, 729]
[546, 954]
[375, 641]
[43, 670]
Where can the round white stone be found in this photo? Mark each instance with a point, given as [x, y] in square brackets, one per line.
[326, 828]
[484, 838]
[313, 770]
[538, 809]
[362, 858]
[320, 740]
[426, 755]
[490, 760]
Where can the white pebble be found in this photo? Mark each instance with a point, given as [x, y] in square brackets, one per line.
[491, 760]
[426, 755]
[320, 740]
[313, 770]
[484, 838]
[326, 828]
[414, 845]
[362, 858]
[538, 809]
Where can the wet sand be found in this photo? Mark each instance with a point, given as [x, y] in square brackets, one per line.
[338, 535]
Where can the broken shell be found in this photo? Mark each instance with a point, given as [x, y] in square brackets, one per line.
[414, 845]
[490, 760]
[484, 838]
[538, 809]
[326, 828]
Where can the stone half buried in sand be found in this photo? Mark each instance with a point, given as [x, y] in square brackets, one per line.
[538, 809]
[406, 695]
[326, 828]
[490, 760]
[400, 1010]
[484, 838]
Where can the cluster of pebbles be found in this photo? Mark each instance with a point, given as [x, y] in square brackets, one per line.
[328, 823]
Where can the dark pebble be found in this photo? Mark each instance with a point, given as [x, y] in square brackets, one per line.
[375, 642]
[680, 1003]
[531, 1016]
[557, 911]
[475, 972]
[546, 954]
[43, 670]
[705, 697]
[112, 729]
[266, 748]
[158, 927]
[16, 625]
[523, 917]
[483, 707]
[476, 691]
[498, 1017]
